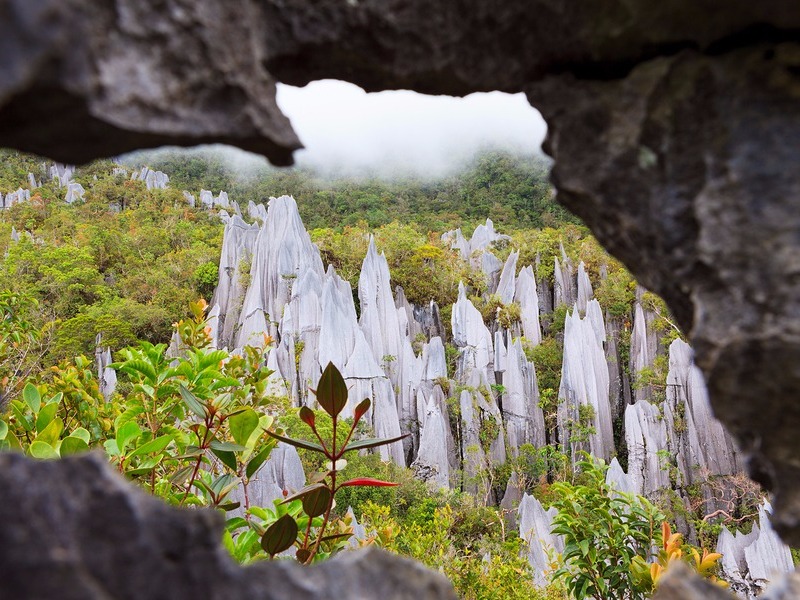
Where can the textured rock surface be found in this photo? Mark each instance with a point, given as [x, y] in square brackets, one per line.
[109, 77]
[674, 180]
[584, 382]
[750, 561]
[100, 537]
[534, 528]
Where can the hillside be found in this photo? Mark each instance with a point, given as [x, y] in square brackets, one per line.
[511, 347]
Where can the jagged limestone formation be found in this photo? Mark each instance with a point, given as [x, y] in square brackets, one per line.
[234, 273]
[644, 344]
[583, 392]
[701, 445]
[106, 376]
[645, 437]
[659, 119]
[482, 238]
[506, 287]
[750, 561]
[432, 462]
[12, 198]
[535, 524]
[564, 290]
[282, 251]
[61, 174]
[471, 337]
[153, 180]
[524, 420]
[527, 296]
[75, 192]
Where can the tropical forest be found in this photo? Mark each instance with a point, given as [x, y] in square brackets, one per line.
[449, 368]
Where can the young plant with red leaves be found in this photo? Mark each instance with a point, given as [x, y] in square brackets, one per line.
[318, 496]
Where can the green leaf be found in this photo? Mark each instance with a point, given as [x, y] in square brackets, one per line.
[331, 391]
[336, 536]
[143, 367]
[192, 403]
[46, 414]
[229, 506]
[126, 434]
[3, 429]
[258, 460]
[243, 425]
[146, 466]
[180, 477]
[73, 445]
[51, 434]
[373, 443]
[228, 458]
[41, 449]
[32, 397]
[153, 446]
[226, 446]
[279, 536]
[303, 492]
[298, 443]
[317, 501]
[82, 434]
[112, 449]
[235, 523]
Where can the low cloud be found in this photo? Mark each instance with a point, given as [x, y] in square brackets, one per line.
[346, 130]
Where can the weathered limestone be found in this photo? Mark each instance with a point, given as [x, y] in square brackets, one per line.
[62, 174]
[524, 420]
[282, 472]
[584, 382]
[750, 561]
[584, 288]
[564, 291]
[700, 444]
[105, 536]
[535, 524]
[153, 180]
[618, 479]
[432, 462]
[643, 350]
[282, 251]
[234, 273]
[12, 198]
[645, 436]
[508, 279]
[471, 336]
[712, 229]
[527, 296]
[106, 376]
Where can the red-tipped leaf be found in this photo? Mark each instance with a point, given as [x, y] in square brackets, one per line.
[361, 409]
[368, 481]
[307, 416]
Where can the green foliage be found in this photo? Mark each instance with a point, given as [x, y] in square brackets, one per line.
[318, 497]
[512, 190]
[604, 532]
[205, 278]
[454, 536]
[125, 262]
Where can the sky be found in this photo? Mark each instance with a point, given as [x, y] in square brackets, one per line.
[344, 129]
